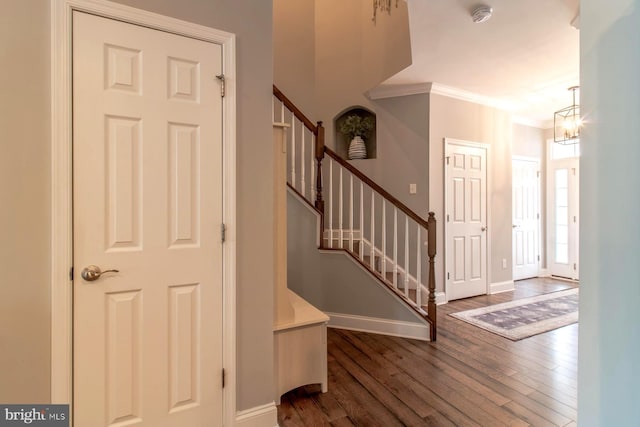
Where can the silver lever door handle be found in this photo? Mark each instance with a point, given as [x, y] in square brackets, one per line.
[93, 272]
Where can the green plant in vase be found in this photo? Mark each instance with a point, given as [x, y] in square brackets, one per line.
[356, 128]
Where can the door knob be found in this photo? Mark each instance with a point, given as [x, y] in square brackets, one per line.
[484, 229]
[93, 272]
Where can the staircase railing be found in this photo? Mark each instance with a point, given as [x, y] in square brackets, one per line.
[360, 216]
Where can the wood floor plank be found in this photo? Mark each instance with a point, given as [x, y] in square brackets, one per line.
[469, 377]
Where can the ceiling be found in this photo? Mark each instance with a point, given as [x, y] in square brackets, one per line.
[524, 58]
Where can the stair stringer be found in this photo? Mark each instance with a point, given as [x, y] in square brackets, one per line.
[336, 283]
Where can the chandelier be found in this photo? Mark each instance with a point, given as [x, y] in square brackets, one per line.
[567, 122]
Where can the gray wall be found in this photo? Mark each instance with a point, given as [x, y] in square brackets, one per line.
[24, 274]
[453, 118]
[331, 281]
[25, 198]
[609, 369]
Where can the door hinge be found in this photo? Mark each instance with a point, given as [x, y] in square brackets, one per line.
[222, 84]
[223, 378]
[538, 257]
[447, 217]
[537, 216]
[223, 232]
[538, 174]
[71, 274]
[575, 266]
[448, 276]
[575, 219]
[447, 159]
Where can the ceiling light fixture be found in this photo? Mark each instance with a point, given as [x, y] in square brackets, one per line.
[567, 122]
[481, 14]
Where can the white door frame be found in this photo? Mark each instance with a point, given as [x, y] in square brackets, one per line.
[62, 180]
[487, 149]
[539, 201]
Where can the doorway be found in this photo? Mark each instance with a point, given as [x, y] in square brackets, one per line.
[134, 151]
[563, 178]
[465, 219]
[526, 217]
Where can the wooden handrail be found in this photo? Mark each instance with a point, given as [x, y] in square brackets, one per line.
[291, 106]
[384, 193]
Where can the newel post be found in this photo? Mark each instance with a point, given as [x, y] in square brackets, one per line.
[319, 202]
[431, 305]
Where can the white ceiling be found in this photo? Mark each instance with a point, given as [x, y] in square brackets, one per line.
[524, 58]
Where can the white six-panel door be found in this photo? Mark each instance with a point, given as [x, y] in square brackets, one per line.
[526, 218]
[147, 138]
[466, 219]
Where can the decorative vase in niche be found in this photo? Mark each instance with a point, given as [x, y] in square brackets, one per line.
[357, 149]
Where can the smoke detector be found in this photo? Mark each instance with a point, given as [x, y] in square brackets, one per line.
[481, 14]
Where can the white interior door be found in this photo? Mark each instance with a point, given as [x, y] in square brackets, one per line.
[526, 218]
[466, 220]
[147, 138]
[564, 178]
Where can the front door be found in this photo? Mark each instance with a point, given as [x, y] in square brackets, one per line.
[526, 218]
[466, 219]
[147, 179]
[564, 178]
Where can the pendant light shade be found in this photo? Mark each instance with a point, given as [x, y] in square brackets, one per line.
[567, 122]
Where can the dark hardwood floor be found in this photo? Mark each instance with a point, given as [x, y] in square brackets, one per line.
[468, 377]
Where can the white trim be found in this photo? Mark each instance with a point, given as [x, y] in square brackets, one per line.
[392, 91]
[487, 149]
[61, 184]
[506, 286]
[441, 298]
[259, 416]
[395, 90]
[396, 328]
[463, 95]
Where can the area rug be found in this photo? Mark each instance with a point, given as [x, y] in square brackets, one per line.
[526, 317]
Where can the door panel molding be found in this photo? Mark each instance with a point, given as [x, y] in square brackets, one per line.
[61, 183]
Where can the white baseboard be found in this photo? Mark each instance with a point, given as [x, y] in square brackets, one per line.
[259, 416]
[441, 298]
[496, 288]
[375, 325]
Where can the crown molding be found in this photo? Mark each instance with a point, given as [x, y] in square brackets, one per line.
[397, 90]
[392, 91]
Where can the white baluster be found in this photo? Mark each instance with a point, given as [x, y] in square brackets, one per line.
[406, 256]
[293, 151]
[372, 252]
[282, 112]
[395, 247]
[330, 203]
[313, 169]
[418, 270]
[351, 212]
[341, 232]
[361, 221]
[383, 258]
[303, 184]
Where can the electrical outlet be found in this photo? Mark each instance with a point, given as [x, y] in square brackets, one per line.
[504, 263]
[413, 188]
